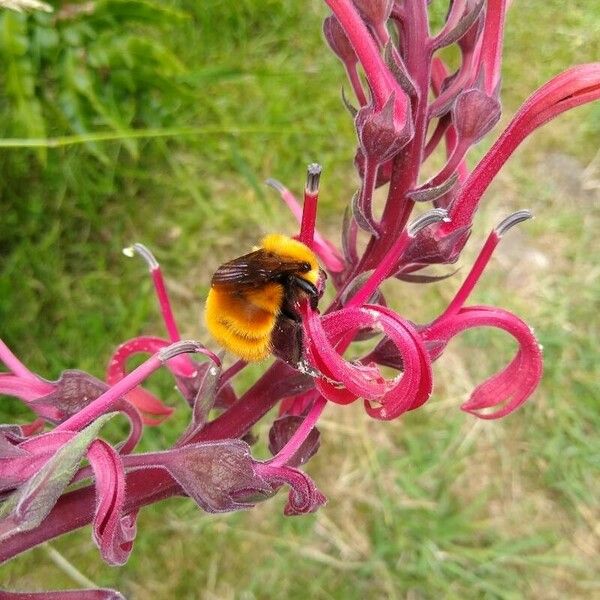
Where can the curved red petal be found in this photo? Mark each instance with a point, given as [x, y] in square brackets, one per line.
[511, 387]
[113, 532]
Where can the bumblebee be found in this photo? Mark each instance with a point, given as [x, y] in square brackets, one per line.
[251, 294]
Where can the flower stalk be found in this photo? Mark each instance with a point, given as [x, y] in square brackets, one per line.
[404, 90]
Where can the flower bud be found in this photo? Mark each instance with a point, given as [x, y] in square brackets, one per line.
[429, 247]
[374, 11]
[380, 134]
[474, 114]
[384, 173]
[338, 41]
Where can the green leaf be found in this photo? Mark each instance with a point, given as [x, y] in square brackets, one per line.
[26, 508]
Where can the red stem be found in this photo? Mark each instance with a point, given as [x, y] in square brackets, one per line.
[574, 87]
[473, 277]
[383, 270]
[356, 84]
[407, 164]
[365, 48]
[14, 364]
[297, 439]
[165, 304]
[309, 218]
[111, 397]
[490, 55]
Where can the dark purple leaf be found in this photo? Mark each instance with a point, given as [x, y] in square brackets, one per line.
[204, 400]
[74, 390]
[338, 41]
[349, 106]
[9, 449]
[356, 284]
[361, 211]
[385, 353]
[416, 278]
[113, 531]
[349, 233]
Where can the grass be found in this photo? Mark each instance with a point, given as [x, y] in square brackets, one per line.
[434, 505]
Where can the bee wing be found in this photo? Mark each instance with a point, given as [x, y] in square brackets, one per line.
[256, 269]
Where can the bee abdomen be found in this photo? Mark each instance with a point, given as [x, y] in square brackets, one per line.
[239, 324]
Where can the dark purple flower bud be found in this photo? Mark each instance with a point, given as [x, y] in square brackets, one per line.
[430, 248]
[474, 114]
[380, 134]
[217, 475]
[374, 11]
[337, 40]
[384, 172]
[283, 429]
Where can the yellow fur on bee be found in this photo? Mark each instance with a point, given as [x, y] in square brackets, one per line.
[243, 323]
[285, 246]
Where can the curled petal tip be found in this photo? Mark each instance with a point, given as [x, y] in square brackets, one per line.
[512, 220]
[313, 175]
[429, 218]
[144, 252]
[183, 347]
[275, 184]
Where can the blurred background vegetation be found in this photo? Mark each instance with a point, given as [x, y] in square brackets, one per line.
[139, 120]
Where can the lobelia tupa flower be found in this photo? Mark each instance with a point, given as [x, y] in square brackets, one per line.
[409, 104]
